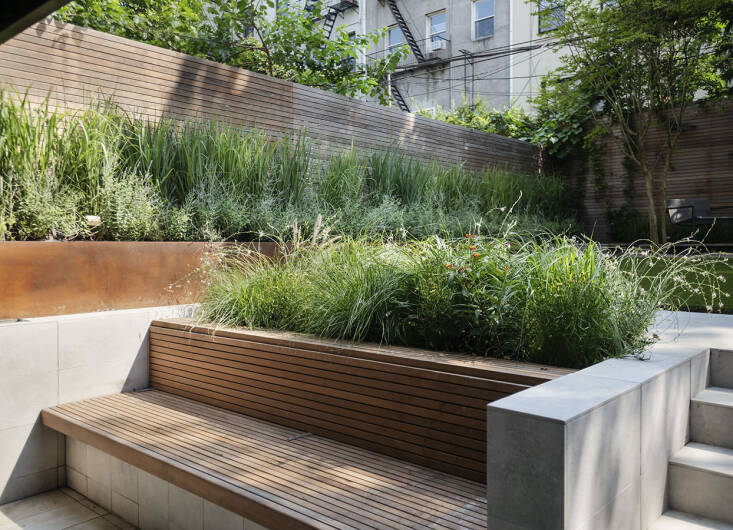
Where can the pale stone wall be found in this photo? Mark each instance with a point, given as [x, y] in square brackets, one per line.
[592, 449]
[140, 498]
[53, 360]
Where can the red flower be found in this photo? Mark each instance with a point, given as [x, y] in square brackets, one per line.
[506, 268]
[476, 255]
[469, 235]
[448, 266]
[472, 247]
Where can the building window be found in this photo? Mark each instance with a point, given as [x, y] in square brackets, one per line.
[483, 19]
[437, 31]
[551, 15]
[351, 61]
[395, 39]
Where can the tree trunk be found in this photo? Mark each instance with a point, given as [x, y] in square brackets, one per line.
[650, 200]
[663, 197]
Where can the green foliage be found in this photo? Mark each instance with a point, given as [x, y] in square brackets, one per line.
[558, 124]
[129, 207]
[205, 181]
[553, 300]
[643, 62]
[292, 45]
[512, 122]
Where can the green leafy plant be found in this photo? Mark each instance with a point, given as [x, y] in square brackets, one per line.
[287, 42]
[644, 62]
[209, 181]
[552, 299]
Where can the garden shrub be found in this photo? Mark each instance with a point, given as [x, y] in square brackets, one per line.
[129, 208]
[553, 300]
[208, 181]
[42, 210]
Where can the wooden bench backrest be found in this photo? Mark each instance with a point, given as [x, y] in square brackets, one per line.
[410, 404]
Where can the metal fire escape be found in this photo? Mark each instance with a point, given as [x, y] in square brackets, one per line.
[397, 96]
[414, 47]
[332, 13]
[411, 42]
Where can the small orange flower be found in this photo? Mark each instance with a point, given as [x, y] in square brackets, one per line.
[472, 247]
[506, 268]
[476, 255]
[655, 336]
[448, 266]
[469, 235]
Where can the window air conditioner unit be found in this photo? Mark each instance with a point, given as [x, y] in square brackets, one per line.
[438, 45]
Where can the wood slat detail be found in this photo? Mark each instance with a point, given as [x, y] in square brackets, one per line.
[274, 475]
[70, 66]
[702, 166]
[449, 363]
[425, 407]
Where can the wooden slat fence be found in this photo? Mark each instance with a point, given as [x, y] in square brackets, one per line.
[71, 65]
[703, 167]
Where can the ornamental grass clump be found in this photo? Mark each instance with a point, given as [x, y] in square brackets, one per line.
[553, 300]
[203, 180]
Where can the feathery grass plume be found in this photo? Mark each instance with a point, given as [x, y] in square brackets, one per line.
[554, 300]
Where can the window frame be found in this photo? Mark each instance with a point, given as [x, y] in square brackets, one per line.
[389, 48]
[429, 29]
[556, 4]
[475, 20]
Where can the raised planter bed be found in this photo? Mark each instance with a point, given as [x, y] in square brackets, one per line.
[44, 278]
[421, 406]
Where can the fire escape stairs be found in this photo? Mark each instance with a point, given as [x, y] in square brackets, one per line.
[397, 96]
[332, 13]
[411, 42]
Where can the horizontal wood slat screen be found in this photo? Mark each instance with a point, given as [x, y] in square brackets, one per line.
[279, 477]
[409, 406]
[72, 65]
[702, 167]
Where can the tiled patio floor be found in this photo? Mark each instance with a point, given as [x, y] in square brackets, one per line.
[58, 510]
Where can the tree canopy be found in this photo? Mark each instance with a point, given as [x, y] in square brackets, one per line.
[633, 64]
[292, 45]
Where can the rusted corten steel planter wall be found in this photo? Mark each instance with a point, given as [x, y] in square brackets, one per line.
[44, 278]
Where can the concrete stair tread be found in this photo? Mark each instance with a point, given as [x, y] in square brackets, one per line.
[715, 396]
[673, 520]
[705, 457]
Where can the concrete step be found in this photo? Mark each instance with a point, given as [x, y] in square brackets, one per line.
[711, 417]
[721, 368]
[685, 521]
[701, 482]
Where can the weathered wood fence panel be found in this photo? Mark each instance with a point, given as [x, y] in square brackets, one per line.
[71, 65]
[702, 167]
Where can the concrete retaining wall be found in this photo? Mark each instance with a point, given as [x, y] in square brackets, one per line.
[591, 450]
[53, 360]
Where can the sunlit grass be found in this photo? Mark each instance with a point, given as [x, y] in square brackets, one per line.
[554, 300]
[204, 180]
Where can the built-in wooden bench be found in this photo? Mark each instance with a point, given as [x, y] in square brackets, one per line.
[422, 406]
[291, 431]
[277, 476]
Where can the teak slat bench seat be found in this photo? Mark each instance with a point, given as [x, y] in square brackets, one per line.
[292, 431]
[276, 476]
[422, 406]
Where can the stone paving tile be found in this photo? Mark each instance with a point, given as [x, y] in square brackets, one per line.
[58, 510]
